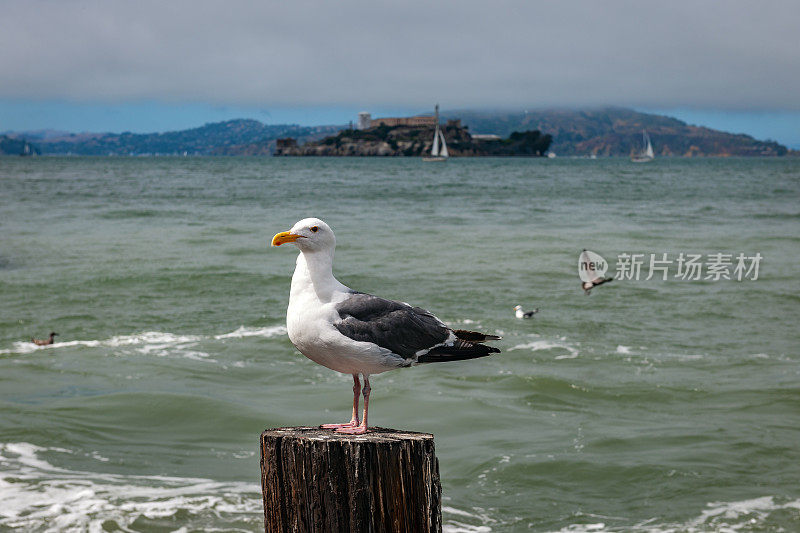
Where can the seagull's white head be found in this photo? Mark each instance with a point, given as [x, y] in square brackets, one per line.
[517, 307]
[309, 235]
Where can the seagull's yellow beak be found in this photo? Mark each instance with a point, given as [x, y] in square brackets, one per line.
[284, 237]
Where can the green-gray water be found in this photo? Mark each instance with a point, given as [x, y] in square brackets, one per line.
[649, 405]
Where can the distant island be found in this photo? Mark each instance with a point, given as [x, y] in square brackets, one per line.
[231, 137]
[414, 138]
[596, 132]
[615, 131]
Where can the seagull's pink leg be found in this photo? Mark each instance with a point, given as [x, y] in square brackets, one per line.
[354, 419]
[360, 429]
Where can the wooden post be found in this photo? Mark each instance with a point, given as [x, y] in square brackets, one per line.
[317, 480]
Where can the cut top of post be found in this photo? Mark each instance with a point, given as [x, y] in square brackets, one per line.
[375, 434]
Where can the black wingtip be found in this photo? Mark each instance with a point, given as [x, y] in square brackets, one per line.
[475, 336]
[459, 351]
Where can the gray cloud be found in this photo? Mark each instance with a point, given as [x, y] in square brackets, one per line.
[710, 54]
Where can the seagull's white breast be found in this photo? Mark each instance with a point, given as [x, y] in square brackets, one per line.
[310, 320]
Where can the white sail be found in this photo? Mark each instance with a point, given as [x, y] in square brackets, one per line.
[437, 153]
[649, 151]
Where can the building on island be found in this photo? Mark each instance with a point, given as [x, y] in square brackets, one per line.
[419, 120]
[364, 120]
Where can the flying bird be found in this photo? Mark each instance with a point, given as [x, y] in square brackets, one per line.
[44, 342]
[357, 333]
[524, 314]
[588, 264]
[587, 286]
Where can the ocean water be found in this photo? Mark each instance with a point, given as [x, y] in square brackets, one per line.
[648, 406]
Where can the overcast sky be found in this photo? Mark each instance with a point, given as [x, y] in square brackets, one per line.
[717, 56]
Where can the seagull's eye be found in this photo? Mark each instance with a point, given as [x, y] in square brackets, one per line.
[314, 229]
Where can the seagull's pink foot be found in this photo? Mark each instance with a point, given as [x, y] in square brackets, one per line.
[356, 430]
[351, 424]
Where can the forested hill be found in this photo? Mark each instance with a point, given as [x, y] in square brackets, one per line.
[232, 137]
[618, 132]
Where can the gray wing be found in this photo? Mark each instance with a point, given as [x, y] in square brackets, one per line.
[396, 326]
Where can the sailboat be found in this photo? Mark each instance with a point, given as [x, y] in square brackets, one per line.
[647, 154]
[438, 153]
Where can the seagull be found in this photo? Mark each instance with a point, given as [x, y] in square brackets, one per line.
[357, 333]
[524, 314]
[591, 279]
[587, 286]
[43, 342]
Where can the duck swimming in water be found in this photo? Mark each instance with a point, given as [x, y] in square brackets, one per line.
[44, 342]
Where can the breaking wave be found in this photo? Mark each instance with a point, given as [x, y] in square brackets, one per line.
[36, 495]
[152, 342]
[561, 344]
[766, 513]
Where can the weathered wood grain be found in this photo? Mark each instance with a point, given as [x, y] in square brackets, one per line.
[314, 479]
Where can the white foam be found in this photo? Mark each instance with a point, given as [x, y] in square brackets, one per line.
[153, 342]
[543, 344]
[753, 514]
[754, 511]
[584, 528]
[22, 348]
[151, 338]
[36, 495]
[454, 526]
[161, 344]
[26, 455]
[270, 331]
[623, 349]
[451, 525]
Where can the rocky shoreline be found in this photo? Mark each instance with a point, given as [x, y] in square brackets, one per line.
[409, 141]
